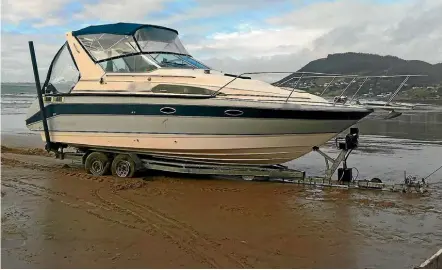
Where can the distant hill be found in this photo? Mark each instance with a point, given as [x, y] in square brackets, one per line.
[372, 64]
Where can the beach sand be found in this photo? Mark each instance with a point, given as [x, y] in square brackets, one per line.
[54, 215]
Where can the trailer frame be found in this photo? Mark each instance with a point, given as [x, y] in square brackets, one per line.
[145, 162]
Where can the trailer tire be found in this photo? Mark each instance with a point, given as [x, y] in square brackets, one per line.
[97, 163]
[376, 180]
[123, 166]
[248, 177]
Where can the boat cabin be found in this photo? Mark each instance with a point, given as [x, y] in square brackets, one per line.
[142, 59]
[113, 51]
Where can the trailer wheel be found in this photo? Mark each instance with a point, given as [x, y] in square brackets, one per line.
[123, 166]
[376, 180]
[97, 163]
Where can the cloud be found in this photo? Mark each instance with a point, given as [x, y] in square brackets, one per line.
[207, 9]
[54, 21]
[279, 63]
[16, 60]
[407, 29]
[249, 42]
[120, 10]
[17, 11]
[235, 36]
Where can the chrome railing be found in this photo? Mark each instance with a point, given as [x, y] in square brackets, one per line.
[315, 75]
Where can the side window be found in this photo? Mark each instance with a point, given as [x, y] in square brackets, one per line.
[64, 74]
[115, 65]
[169, 60]
[139, 63]
[134, 63]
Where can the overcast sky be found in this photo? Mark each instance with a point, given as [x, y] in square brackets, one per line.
[233, 35]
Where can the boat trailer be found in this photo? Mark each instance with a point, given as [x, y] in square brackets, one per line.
[124, 164]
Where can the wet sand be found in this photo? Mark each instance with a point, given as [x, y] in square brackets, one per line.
[54, 215]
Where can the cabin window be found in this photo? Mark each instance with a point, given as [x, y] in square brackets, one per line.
[115, 65]
[133, 63]
[171, 60]
[63, 73]
[193, 62]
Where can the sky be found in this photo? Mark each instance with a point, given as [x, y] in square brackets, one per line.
[232, 35]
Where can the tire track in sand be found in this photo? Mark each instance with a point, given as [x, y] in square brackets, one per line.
[150, 224]
[55, 196]
[67, 171]
[195, 238]
[159, 226]
[49, 194]
[88, 207]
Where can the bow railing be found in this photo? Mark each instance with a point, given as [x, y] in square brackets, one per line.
[298, 76]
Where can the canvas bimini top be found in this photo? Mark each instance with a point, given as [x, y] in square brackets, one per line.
[117, 29]
[132, 47]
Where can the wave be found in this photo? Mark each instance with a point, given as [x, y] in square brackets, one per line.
[13, 113]
[22, 94]
[16, 101]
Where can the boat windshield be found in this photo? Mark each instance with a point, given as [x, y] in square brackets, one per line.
[152, 39]
[175, 60]
[148, 49]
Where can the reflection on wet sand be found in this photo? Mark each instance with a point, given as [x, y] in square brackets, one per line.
[333, 220]
[78, 221]
[71, 219]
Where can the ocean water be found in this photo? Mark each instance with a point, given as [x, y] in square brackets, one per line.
[15, 99]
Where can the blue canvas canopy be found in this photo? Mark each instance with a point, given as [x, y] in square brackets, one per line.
[116, 29]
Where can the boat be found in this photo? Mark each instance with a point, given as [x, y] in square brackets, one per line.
[135, 88]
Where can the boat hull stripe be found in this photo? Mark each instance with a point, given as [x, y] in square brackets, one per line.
[192, 110]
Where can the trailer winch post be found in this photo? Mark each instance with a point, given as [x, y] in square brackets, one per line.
[347, 146]
[49, 145]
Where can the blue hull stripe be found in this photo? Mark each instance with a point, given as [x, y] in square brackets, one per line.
[193, 110]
